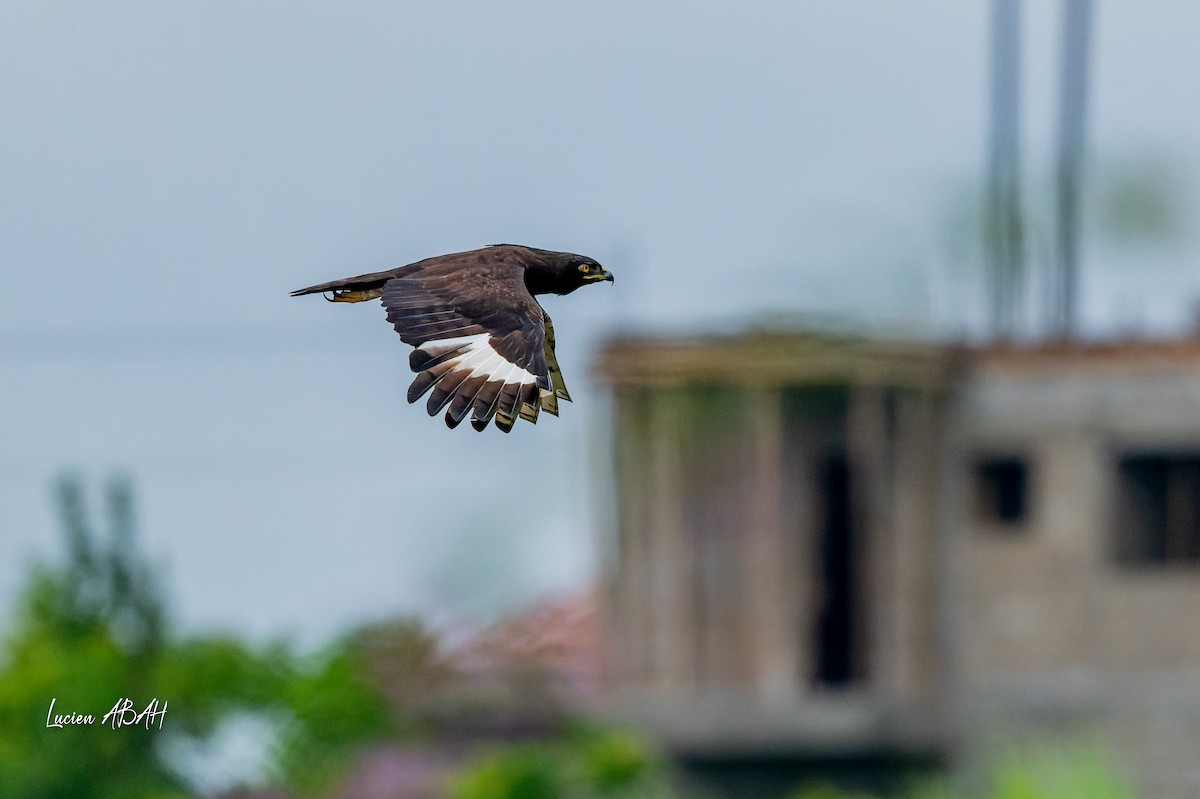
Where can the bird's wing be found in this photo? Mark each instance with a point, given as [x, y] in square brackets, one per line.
[480, 338]
[558, 388]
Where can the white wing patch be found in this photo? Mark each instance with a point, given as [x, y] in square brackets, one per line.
[469, 375]
[477, 352]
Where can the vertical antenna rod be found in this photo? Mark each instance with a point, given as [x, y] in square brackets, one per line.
[1004, 245]
[1072, 115]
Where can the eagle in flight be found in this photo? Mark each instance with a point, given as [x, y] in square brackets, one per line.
[484, 346]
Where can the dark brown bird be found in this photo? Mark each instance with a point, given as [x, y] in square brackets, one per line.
[484, 346]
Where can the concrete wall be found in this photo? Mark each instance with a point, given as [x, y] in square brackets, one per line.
[1058, 636]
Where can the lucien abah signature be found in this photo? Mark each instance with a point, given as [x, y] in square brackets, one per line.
[123, 714]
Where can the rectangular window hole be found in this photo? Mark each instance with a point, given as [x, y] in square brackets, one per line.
[1002, 490]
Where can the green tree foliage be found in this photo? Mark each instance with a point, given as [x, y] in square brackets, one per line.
[1075, 772]
[582, 764]
[333, 708]
[1142, 202]
[1059, 771]
[86, 634]
[94, 629]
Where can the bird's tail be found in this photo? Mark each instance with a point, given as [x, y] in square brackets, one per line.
[350, 289]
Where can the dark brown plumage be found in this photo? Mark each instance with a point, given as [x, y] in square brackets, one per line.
[484, 347]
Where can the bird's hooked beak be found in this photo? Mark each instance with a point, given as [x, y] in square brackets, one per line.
[593, 272]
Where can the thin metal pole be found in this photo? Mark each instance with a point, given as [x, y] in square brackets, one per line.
[1072, 117]
[1004, 230]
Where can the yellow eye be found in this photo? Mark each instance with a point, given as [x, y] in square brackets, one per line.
[585, 268]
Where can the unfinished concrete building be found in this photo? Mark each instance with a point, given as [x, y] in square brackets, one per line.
[848, 559]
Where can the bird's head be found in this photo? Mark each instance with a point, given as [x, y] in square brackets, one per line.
[590, 271]
[562, 272]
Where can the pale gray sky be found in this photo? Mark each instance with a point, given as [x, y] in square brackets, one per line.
[171, 171]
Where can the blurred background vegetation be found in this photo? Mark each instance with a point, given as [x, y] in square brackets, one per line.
[248, 720]
[386, 709]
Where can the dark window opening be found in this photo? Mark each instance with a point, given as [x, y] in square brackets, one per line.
[837, 650]
[1002, 491]
[1158, 509]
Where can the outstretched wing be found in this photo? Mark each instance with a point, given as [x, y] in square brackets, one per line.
[558, 388]
[480, 338]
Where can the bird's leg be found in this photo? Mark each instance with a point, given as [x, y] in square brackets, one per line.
[353, 295]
